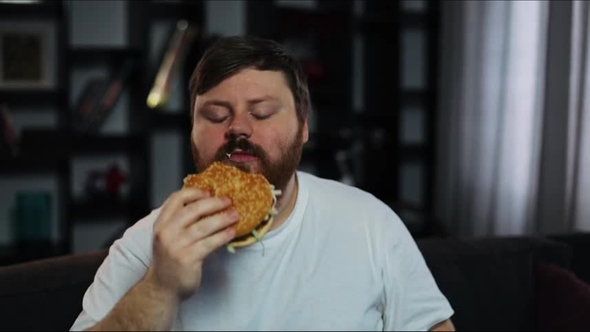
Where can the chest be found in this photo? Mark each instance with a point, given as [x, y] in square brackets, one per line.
[296, 292]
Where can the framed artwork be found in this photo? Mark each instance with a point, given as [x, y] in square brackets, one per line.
[27, 56]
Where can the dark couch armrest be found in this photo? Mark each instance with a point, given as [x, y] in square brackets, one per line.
[46, 294]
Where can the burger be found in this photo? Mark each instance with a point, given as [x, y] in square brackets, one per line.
[252, 196]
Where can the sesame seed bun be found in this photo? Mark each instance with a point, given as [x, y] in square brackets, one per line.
[251, 194]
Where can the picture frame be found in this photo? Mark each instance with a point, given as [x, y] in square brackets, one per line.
[27, 55]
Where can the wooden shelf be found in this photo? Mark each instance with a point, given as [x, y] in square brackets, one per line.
[54, 144]
[29, 165]
[378, 24]
[91, 144]
[102, 55]
[318, 11]
[325, 95]
[174, 10]
[33, 97]
[176, 120]
[101, 208]
[42, 10]
[325, 23]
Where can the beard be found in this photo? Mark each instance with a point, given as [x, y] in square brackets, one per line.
[278, 173]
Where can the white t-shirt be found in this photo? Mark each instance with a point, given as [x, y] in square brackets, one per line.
[342, 261]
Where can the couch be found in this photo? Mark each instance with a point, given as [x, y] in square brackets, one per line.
[508, 283]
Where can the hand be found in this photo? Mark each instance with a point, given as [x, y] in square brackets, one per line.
[191, 225]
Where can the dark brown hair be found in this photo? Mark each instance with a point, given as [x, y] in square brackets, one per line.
[229, 55]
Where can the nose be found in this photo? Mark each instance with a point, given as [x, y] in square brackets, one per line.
[240, 126]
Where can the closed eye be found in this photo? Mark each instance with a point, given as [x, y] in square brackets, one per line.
[215, 114]
[261, 116]
[217, 119]
[263, 113]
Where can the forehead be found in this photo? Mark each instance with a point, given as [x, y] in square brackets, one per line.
[248, 84]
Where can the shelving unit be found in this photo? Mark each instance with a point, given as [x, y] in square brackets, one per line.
[408, 55]
[380, 125]
[62, 145]
[46, 9]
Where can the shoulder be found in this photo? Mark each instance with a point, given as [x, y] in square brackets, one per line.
[336, 198]
[127, 260]
[333, 191]
[137, 239]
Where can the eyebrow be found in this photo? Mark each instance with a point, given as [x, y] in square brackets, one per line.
[217, 103]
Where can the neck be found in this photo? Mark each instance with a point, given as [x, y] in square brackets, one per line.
[286, 202]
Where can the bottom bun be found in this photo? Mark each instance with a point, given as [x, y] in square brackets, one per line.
[251, 239]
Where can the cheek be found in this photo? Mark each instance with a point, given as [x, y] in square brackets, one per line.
[274, 141]
[207, 140]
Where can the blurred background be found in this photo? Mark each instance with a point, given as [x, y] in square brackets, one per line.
[468, 118]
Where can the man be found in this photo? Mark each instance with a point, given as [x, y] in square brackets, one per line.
[336, 257]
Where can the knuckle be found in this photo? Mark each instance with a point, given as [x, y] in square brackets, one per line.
[159, 237]
[176, 195]
[162, 238]
[199, 208]
[196, 229]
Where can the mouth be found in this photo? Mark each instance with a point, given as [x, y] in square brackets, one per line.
[240, 156]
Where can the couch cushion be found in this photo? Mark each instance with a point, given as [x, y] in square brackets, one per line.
[580, 244]
[563, 299]
[46, 294]
[489, 282]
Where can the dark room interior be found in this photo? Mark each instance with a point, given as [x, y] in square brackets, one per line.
[469, 119]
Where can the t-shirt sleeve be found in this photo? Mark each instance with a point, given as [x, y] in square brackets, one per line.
[126, 263]
[413, 299]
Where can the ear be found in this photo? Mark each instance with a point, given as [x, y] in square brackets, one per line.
[305, 132]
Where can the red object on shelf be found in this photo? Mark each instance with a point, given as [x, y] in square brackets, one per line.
[114, 177]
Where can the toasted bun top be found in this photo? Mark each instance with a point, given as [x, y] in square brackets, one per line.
[251, 194]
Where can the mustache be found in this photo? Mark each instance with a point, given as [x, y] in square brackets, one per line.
[242, 144]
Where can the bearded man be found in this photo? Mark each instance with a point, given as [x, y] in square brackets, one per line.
[336, 258]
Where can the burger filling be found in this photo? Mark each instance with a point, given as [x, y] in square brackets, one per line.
[261, 225]
[255, 231]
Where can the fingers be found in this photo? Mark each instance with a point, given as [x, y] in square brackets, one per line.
[178, 200]
[198, 250]
[195, 211]
[208, 226]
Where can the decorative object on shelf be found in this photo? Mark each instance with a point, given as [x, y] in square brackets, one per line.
[32, 217]
[26, 56]
[88, 100]
[9, 138]
[99, 97]
[182, 37]
[105, 184]
[114, 178]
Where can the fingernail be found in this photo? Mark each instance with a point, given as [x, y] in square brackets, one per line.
[226, 200]
[233, 214]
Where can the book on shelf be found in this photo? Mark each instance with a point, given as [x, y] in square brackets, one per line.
[32, 217]
[98, 99]
[88, 100]
[9, 137]
[183, 37]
